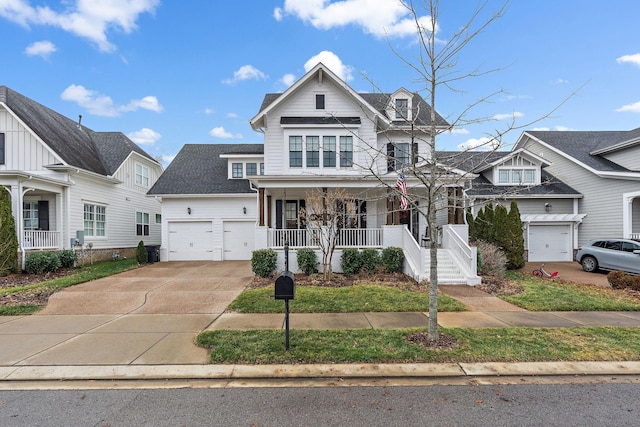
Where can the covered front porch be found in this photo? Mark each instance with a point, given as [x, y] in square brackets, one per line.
[631, 216]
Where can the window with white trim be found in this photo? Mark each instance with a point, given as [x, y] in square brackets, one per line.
[516, 176]
[313, 151]
[329, 151]
[402, 108]
[252, 169]
[295, 151]
[30, 215]
[346, 151]
[236, 170]
[158, 219]
[261, 168]
[142, 175]
[95, 220]
[142, 223]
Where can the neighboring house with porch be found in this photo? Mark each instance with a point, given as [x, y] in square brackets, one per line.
[67, 182]
[570, 186]
[318, 135]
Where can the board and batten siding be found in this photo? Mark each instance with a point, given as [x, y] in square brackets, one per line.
[602, 197]
[127, 172]
[302, 103]
[23, 150]
[216, 209]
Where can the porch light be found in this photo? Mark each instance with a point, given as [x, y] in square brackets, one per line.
[547, 207]
[189, 211]
[244, 210]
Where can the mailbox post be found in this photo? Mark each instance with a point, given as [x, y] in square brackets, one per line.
[285, 290]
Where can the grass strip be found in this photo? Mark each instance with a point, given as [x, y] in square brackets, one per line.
[392, 346]
[550, 295]
[350, 299]
[82, 275]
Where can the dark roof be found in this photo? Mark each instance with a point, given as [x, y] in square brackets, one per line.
[319, 120]
[550, 185]
[379, 102]
[579, 145]
[470, 161]
[79, 146]
[198, 169]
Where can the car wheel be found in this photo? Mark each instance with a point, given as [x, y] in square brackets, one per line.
[589, 264]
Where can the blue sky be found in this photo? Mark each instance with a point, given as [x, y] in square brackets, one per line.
[168, 73]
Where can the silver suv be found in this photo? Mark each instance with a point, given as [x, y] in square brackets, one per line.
[610, 254]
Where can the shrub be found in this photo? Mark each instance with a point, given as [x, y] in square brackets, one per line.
[350, 261]
[620, 280]
[68, 258]
[263, 262]
[369, 260]
[42, 262]
[307, 260]
[8, 237]
[392, 259]
[491, 259]
[141, 253]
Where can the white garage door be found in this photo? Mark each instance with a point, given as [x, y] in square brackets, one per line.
[190, 241]
[239, 237]
[550, 243]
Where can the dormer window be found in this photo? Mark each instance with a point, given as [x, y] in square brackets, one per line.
[319, 102]
[236, 170]
[516, 176]
[402, 109]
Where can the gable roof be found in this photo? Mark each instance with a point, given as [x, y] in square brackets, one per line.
[581, 145]
[375, 102]
[199, 169]
[76, 145]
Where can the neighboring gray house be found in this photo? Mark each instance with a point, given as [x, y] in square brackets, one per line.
[65, 178]
[604, 166]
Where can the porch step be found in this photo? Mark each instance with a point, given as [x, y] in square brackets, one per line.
[448, 271]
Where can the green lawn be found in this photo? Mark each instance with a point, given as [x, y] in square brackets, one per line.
[549, 295]
[350, 299]
[392, 346]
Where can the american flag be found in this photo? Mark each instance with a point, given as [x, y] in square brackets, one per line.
[401, 185]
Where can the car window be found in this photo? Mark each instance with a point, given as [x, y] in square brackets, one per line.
[599, 244]
[613, 245]
[630, 247]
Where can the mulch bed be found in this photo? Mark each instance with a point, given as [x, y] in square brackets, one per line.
[444, 342]
[34, 297]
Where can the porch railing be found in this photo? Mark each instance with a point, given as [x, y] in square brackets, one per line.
[635, 236]
[37, 239]
[347, 238]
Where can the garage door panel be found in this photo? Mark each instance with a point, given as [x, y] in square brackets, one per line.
[238, 239]
[550, 243]
[191, 241]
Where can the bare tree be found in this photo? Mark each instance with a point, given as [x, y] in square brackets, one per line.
[325, 214]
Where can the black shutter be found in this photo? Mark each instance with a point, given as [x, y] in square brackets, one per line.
[279, 214]
[43, 215]
[1, 148]
[391, 163]
[363, 214]
[415, 153]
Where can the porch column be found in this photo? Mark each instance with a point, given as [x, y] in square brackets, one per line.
[261, 205]
[269, 223]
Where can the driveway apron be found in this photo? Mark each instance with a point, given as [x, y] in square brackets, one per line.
[149, 315]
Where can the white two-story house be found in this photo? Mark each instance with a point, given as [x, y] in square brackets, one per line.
[72, 187]
[224, 201]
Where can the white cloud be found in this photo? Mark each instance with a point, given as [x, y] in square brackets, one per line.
[630, 108]
[165, 159]
[232, 115]
[560, 81]
[219, 132]
[288, 79]
[333, 62]
[42, 48]
[209, 111]
[246, 72]
[459, 131]
[633, 59]
[511, 116]
[144, 136]
[102, 105]
[377, 17]
[480, 144]
[89, 19]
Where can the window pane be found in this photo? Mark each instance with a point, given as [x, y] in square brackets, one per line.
[295, 151]
[261, 168]
[346, 151]
[402, 108]
[529, 176]
[329, 151]
[313, 151]
[516, 176]
[403, 155]
[503, 176]
[236, 170]
[252, 169]
[319, 102]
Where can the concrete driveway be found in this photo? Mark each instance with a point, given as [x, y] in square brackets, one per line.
[147, 316]
[571, 271]
[161, 288]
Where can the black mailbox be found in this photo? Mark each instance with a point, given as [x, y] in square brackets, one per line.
[285, 286]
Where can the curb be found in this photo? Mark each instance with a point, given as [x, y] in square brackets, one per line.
[311, 371]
